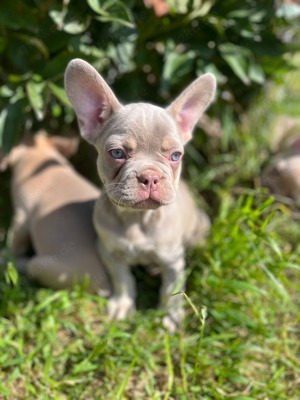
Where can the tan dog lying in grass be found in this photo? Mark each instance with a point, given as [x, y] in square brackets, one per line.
[53, 207]
[146, 214]
[282, 175]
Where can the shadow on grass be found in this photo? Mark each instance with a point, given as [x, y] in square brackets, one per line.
[147, 288]
[15, 294]
[17, 290]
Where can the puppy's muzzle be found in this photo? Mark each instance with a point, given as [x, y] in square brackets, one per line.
[149, 180]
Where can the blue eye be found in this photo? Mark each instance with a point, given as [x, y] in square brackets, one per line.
[118, 154]
[176, 156]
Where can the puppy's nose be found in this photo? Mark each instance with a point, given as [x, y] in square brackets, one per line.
[149, 179]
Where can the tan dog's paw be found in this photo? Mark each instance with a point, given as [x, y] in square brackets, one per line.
[120, 307]
[172, 321]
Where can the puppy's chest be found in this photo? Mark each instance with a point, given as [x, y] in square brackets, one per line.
[133, 243]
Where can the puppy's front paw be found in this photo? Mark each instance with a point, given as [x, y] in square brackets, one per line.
[120, 307]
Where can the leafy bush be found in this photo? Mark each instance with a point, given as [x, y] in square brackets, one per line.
[143, 56]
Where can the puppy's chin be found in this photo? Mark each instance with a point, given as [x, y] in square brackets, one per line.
[148, 204]
[141, 205]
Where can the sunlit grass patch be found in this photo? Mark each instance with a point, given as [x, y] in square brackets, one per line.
[240, 337]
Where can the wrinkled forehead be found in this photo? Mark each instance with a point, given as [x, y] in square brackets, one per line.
[147, 116]
[142, 122]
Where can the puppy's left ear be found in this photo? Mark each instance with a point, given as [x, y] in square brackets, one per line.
[191, 104]
[92, 99]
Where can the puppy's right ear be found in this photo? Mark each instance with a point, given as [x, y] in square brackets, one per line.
[191, 104]
[91, 97]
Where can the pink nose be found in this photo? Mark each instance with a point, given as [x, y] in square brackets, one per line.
[149, 179]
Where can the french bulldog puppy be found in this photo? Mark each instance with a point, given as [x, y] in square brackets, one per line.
[53, 207]
[146, 214]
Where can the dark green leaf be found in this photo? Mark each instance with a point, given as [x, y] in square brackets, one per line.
[11, 119]
[33, 41]
[75, 27]
[237, 58]
[177, 66]
[59, 93]
[112, 11]
[36, 96]
[256, 73]
[96, 6]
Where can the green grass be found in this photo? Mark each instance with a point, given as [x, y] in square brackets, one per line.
[240, 337]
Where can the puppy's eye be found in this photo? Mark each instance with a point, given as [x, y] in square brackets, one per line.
[176, 156]
[118, 154]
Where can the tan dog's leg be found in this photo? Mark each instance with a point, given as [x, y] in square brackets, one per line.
[57, 274]
[44, 269]
[20, 234]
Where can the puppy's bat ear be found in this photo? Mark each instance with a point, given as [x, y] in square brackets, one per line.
[191, 104]
[91, 97]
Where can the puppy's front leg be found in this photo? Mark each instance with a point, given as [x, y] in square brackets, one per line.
[122, 302]
[173, 280]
